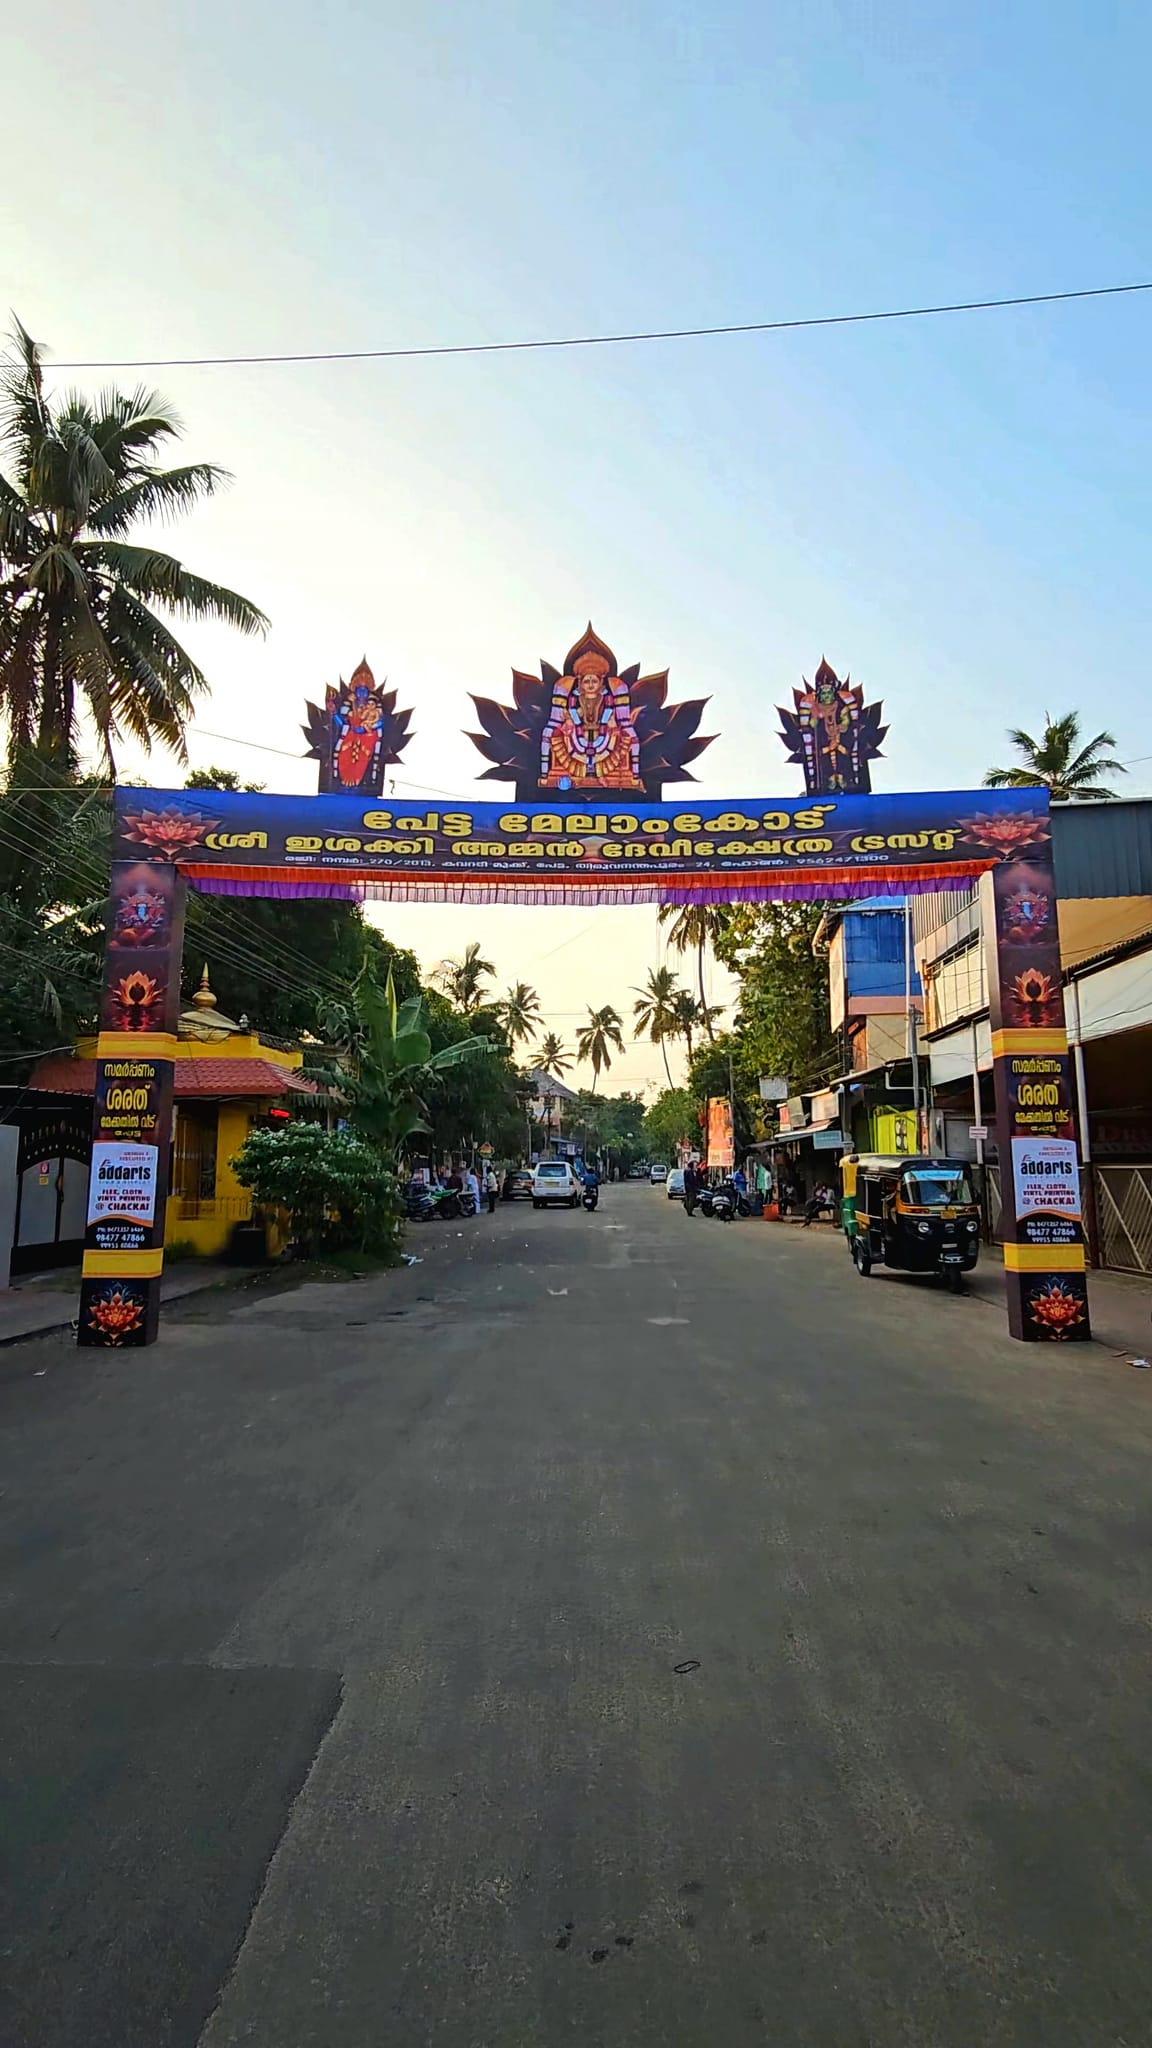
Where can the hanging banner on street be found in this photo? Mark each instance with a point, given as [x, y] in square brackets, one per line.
[728, 850]
[721, 1145]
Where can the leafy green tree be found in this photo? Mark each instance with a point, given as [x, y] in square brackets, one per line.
[653, 1012]
[337, 1189]
[54, 841]
[696, 926]
[728, 1066]
[673, 1119]
[464, 980]
[80, 604]
[783, 1024]
[519, 1011]
[1057, 763]
[598, 1037]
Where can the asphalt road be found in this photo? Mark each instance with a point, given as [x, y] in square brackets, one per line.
[620, 1631]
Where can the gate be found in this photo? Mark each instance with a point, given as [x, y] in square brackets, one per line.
[1124, 1217]
[53, 1154]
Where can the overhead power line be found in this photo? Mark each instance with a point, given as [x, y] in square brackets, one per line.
[495, 348]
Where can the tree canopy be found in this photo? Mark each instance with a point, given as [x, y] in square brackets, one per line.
[1058, 763]
[81, 604]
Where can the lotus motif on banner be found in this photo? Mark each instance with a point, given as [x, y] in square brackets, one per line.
[1057, 1309]
[116, 1313]
[1006, 833]
[166, 834]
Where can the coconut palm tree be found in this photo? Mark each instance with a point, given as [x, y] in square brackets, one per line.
[697, 925]
[463, 980]
[686, 1015]
[602, 1030]
[1054, 763]
[553, 1056]
[519, 1012]
[652, 1014]
[80, 604]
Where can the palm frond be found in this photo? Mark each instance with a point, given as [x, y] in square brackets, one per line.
[159, 494]
[153, 574]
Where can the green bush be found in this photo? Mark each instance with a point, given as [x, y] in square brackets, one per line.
[338, 1190]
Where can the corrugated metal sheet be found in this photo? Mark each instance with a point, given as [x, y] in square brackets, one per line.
[938, 906]
[1103, 849]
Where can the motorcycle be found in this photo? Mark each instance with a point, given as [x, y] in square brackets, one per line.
[591, 1197]
[419, 1202]
[723, 1202]
[467, 1201]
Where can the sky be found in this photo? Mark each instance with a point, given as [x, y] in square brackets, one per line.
[954, 510]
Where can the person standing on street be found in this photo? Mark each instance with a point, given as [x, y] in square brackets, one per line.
[473, 1187]
[491, 1187]
[691, 1186]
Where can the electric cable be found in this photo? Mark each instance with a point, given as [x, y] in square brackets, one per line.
[491, 348]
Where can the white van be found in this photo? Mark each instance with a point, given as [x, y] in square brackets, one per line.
[554, 1181]
[657, 1175]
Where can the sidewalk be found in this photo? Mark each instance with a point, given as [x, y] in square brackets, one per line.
[47, 1301]
[1120, 1304]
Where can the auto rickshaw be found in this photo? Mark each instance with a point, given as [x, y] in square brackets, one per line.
[917, 1214]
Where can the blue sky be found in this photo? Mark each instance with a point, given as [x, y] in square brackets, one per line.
[955, 510]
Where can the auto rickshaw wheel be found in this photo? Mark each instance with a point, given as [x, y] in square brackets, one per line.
[954, 1279]
[862, 1257]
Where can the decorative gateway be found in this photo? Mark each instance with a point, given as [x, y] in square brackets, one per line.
[357, 735]
[832, 734]
[589, 728]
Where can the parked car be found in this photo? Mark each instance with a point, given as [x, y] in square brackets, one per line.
[518, 1185]
[674, 1185]
[554, 1181]
[637, 1173]
[657, 1175]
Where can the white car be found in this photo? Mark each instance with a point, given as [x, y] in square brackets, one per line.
[554, 1181]
[657, 1175]
[674, 1185]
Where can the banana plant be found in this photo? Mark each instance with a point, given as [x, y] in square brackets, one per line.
[389, 1054]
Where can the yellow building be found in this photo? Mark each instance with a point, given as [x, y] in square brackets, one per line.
[228, 1081]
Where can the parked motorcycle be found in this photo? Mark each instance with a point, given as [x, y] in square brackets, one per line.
[467, 1202]
[724, 1202]
[419, 1202]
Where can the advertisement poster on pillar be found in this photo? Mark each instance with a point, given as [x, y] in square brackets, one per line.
[122, 1189]
[1046, 1183]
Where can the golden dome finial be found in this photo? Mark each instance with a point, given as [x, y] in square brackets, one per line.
[204, 998]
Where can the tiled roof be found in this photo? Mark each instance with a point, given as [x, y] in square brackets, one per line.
[195, 1077]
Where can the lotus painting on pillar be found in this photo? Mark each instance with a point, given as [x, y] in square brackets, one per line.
[589, 728]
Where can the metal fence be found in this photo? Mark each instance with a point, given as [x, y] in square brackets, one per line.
[1124, 1217]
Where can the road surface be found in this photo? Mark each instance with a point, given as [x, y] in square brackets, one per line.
[621, 1631]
